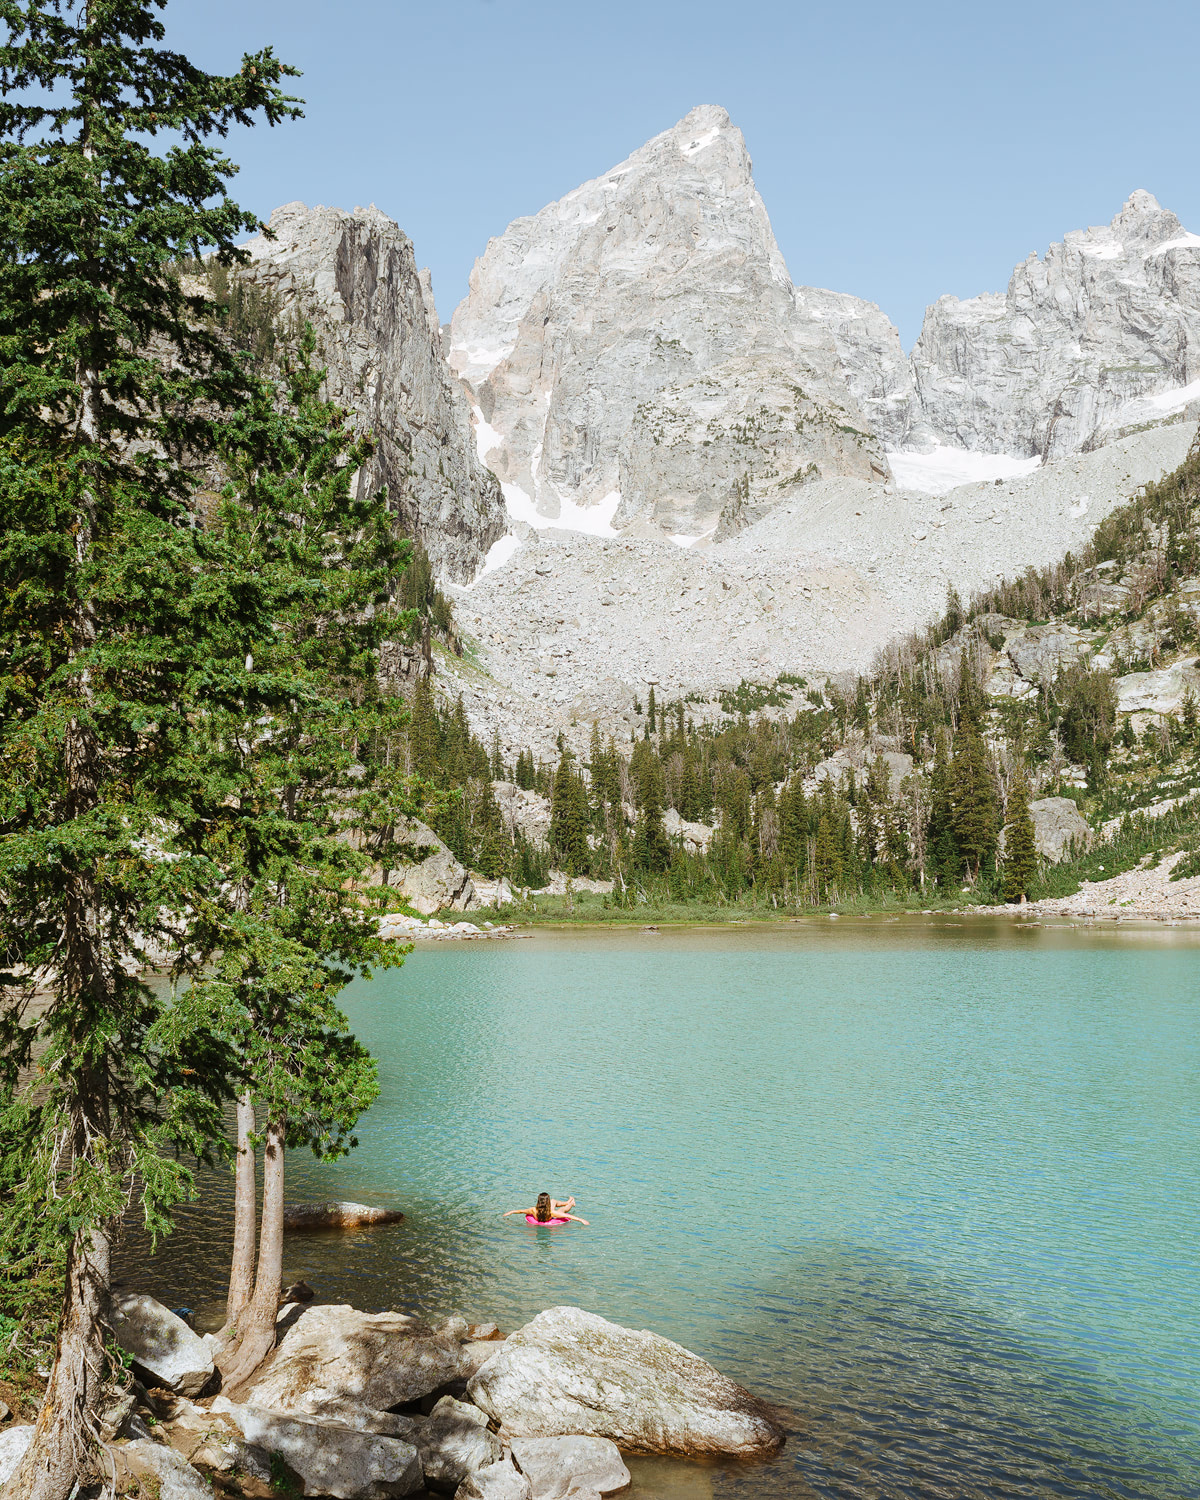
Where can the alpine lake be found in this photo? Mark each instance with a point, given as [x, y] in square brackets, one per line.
[929, 1183]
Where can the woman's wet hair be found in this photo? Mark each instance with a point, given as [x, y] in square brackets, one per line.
[543, 1210]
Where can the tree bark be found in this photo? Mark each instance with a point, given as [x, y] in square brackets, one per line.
[64, 1439]
[258, 1320]
[241, 1272]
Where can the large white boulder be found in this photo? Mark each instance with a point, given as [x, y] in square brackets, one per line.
[1057, 824]
[161, 1343]
[329, 1458]
[569, 1371]
[560, 1466]
[334, 1357]
[13, 1445]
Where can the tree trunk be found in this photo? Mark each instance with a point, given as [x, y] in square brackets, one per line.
[258, 1320]
[241, 1272]
[64, 1439]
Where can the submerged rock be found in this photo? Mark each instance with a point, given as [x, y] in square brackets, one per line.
[560, 1466]
[337, 1356]
[569, 1372]
[333, 1216]
[161, 1343]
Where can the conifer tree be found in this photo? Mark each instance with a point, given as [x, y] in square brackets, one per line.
[793, 826]
[826, 863]
[973, 795]
[492, 846]
[294, 783]
[126, 624]
[423, 734]
[1020, 849]
[568, 818]
[651, 846]
[942, 852]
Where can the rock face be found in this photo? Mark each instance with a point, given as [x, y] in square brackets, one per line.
[636, 349]
[337, 1355]
[1057, 824]
[1040, 652]
[1089, 340]
[872, 363]
[561, 1466]
[355, 278]
[1160, 692]
[161, 1343]
[570, 1372]
[435, 879]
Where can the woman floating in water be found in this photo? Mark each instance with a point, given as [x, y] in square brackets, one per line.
[548, 1210]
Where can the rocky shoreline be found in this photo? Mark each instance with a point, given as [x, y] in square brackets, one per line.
[370, 1406]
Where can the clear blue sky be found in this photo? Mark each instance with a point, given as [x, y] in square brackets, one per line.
[903, 150]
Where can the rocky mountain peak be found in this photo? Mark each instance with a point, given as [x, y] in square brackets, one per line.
[354, 277]
[634, 350]
[1091, 339]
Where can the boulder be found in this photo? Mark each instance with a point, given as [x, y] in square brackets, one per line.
[502, 1481]
[435, 879]
[569, 1372]
[1057, 824]
[561, 1466]
[1160, 692]
[169, 1473]
[492, 892]
[696, 836]
[336, 1216]
[338, 1355]
[13, 1444]
[328, 1458]
[454, 1442]
[161, 1343]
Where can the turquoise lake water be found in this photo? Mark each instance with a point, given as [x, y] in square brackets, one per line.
[931, 1186]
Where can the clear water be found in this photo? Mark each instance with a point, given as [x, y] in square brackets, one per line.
[931, 1186]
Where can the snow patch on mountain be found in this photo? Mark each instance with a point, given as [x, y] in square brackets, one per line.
[945, 468]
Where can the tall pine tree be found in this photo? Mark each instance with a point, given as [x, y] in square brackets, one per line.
[1020, 849]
